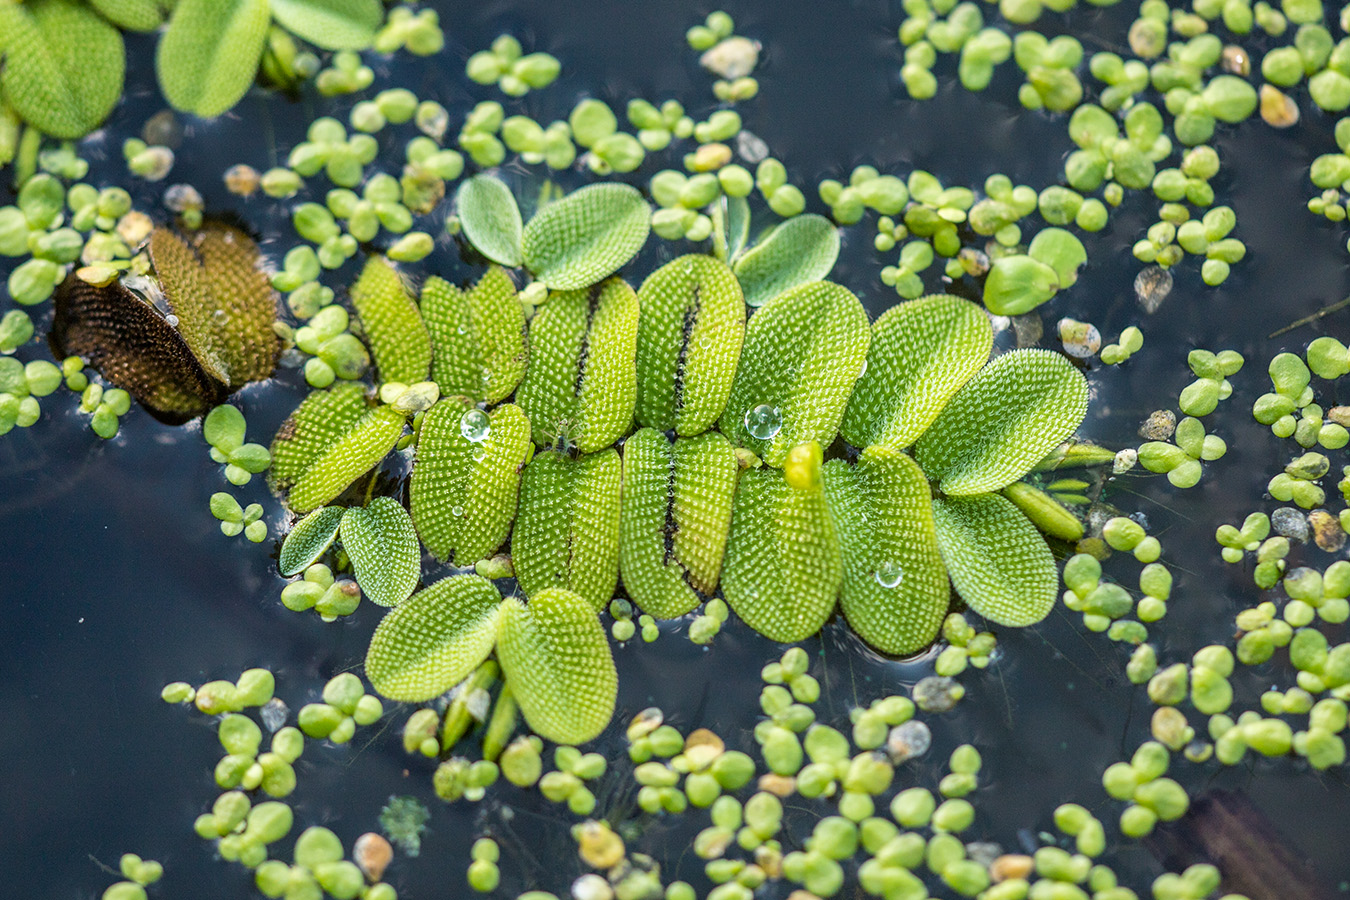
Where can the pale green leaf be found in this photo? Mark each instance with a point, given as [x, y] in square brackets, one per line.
[490, 218]
[567, 526]
[1018, 284]
[690, 328]
[397, 336]
[432, 641]
[800, 250]
[331, 24]
[586, 236]
[922, 352]
[783, 565]
[356, 452]
[209, 54]
[309, 539]
[675, 519]
[1004, 421]
[315, 425]
[1061, 250]
[803, 353]
[895, 590]
[380, 540]
[131, 15]
[556, 659]
[477, 336]
[737, 223]
[581, 383]
[62, 65]
[997, 559]
[463, 493]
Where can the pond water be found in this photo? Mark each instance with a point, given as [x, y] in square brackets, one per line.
[116, 579]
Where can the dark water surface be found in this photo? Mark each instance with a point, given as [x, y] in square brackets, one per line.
[116, 580]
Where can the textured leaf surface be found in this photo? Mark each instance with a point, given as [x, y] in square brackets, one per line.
[359, 449]
[802, 355]
[432, 641]
[997, 559]
[691, 324]
[224, 302]
[397, 336]
[895, 592]
[676, 516]
[331, 24]
[208, 56]
[556, 659]
[315, 426]
[309, 539]
[63, 65]
[567, 527]
[132, 15]
[491, 219]
[477, 336]
[463, 493]
[1004, 421]
[581, 383]
[380, 540]
[586, 236]
[801, 250]
[131, 345]
[922, 352]
[783, 566]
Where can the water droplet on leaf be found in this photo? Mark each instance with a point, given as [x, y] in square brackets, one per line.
[764, 422]
[475, 426]
[890, 574]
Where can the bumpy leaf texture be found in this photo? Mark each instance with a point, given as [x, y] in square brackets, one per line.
[309, 539]
[477, 336]
[801, 250]
[355, 453]
[331, 24]
[397, 336]
[315, 425]
[586, 236]
[208, 56]
[382, 544]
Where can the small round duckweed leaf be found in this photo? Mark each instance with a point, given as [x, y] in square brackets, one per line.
[1004, 421]
[382, 544]
[894, 591]
[432, 641]
[477, 336]
[63, 65]
[998, 561]
[224, 428]
[331, 24]
[491, 219]
[359, 448]
[922, 352]
[315, 425]
[1018, 284]
[209, 54]
[1061, 250]
[397, 336]
[309, 539]
[800, 250]
[586, 236]
[556, 659]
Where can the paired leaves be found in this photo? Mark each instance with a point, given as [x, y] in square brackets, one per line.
[581, 384]
[356, 452]
[478, 336]
[385, 557]
[802, 355]
[208, 56]
[922, 352]
[675, 518]
[567, 530]
[801, 250]
[490, 218]
[998, 561]
[586, 236]
[690, 329]
[331, 24]
[315, 426]
[395, 332]
[463, 493]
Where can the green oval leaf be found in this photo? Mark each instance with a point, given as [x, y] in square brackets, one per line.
[488, 213]
[556, 659]
[894, 591]
[394, 329]
[567, 528]
[783, 565]
[331, 24]
[581, 383]
[380, 540]
[1018, 284]
[315, 426]
[586, 236]
[463, 493]
[922, 352]
[802, 355]
[675, 518]
[355, 453]
[1061, 250]
[309, 539]
[432, 641]
[997, 559]
[131, 15]
[63, 65]
[691, 326]
[800, 250]
[477, 336]
[1004, 421]
[209, 54]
